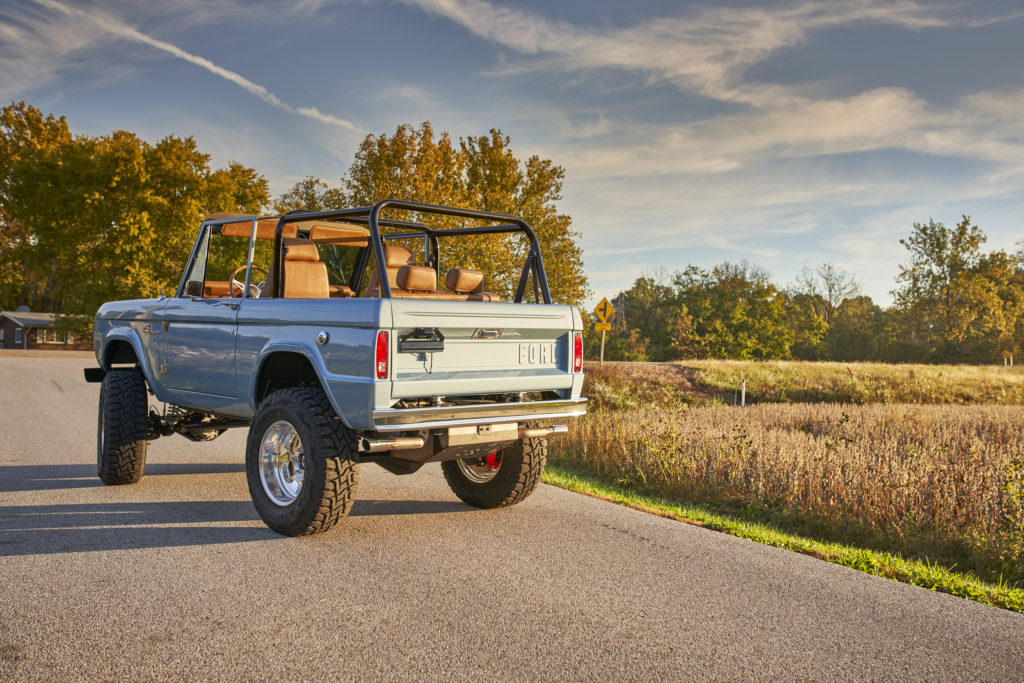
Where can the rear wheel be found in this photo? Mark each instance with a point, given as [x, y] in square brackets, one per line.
[501, 478]
[300, 462]
[121, 427]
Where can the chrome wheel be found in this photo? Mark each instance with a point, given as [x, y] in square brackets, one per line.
[481, 470]
[282, 463]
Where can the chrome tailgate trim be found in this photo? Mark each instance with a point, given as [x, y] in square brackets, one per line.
[402, 419]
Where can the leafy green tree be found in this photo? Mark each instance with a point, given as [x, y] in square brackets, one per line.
[650, 312]
[856, 331]
[805, 322]
[736, 312]
[30, 193]
[478, 172]
[92, 219]
[312, 194]
[956, 303]
[620, 344]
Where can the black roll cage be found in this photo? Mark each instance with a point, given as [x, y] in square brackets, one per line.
[370, 216]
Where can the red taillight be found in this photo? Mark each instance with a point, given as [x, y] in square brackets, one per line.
[382, 355]
[577, 352]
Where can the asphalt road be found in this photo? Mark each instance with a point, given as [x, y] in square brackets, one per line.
[176, 577]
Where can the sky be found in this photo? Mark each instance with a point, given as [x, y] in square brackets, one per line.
[786, 134]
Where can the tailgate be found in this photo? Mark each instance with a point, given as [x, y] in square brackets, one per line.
[488, 348]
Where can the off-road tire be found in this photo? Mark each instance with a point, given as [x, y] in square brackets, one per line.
[331, 471]
[121, 427]
[522, 465]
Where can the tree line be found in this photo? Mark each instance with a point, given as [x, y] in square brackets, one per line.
[953, 303]
[88, 219]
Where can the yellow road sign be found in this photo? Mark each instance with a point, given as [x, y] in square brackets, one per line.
[602, 327]
[604, 310]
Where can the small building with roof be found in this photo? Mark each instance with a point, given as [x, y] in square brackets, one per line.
[23, 329]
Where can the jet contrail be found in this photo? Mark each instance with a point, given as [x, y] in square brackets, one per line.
[124, 31]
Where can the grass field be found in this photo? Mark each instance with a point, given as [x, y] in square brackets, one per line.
[939, 483]
[718, 382]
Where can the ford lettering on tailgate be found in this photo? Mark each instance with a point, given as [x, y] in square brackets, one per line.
[537, 354]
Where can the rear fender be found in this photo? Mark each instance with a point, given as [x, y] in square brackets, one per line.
[310, 354]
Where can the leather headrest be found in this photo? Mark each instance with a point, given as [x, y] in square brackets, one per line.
[398, 257]
[299, 249]
[464, 281]
[417, 278]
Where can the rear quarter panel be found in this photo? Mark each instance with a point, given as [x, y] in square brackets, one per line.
[344, 363]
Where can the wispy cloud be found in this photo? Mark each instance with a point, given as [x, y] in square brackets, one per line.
[115, 27]
[706, 52]
[709, 52]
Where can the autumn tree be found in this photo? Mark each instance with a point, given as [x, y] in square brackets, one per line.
[91, 219]
[479, 172]
[956, 303]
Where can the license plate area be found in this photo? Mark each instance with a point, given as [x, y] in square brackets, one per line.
[470, 435]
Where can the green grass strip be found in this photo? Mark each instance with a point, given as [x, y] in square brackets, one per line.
[887, 565]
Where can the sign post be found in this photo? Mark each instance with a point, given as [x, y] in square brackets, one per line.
[603, 311]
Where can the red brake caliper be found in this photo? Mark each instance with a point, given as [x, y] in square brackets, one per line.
[493, 461]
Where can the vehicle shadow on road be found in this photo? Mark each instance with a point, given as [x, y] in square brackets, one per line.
[83, 527]
[47, 477]
[376, 508]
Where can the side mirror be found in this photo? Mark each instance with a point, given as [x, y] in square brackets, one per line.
[194, 289]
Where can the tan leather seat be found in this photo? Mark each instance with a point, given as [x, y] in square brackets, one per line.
[215, 289]
[396, 258]
[420, 282]
[469, 283]
[305, 277]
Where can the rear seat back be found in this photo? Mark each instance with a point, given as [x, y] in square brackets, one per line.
[396, 258]
[469, 283]
[420, 282]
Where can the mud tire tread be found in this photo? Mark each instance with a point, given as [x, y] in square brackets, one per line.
[125, 400]
[524, 461]
[332, 472]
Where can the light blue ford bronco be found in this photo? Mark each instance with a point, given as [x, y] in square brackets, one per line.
[332, 337]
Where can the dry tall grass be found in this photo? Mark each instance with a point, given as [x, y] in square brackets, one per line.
[941, 482]
[862, 383]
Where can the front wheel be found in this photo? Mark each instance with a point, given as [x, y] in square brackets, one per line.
[121, 441]
[300, 462]
[500, 479]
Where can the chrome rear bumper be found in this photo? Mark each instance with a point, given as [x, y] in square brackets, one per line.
[409, 419]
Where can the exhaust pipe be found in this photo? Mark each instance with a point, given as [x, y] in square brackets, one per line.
[399, 443]
[542, 432]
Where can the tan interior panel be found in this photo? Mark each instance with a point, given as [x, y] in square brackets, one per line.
[331, 233]
[264, 230]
